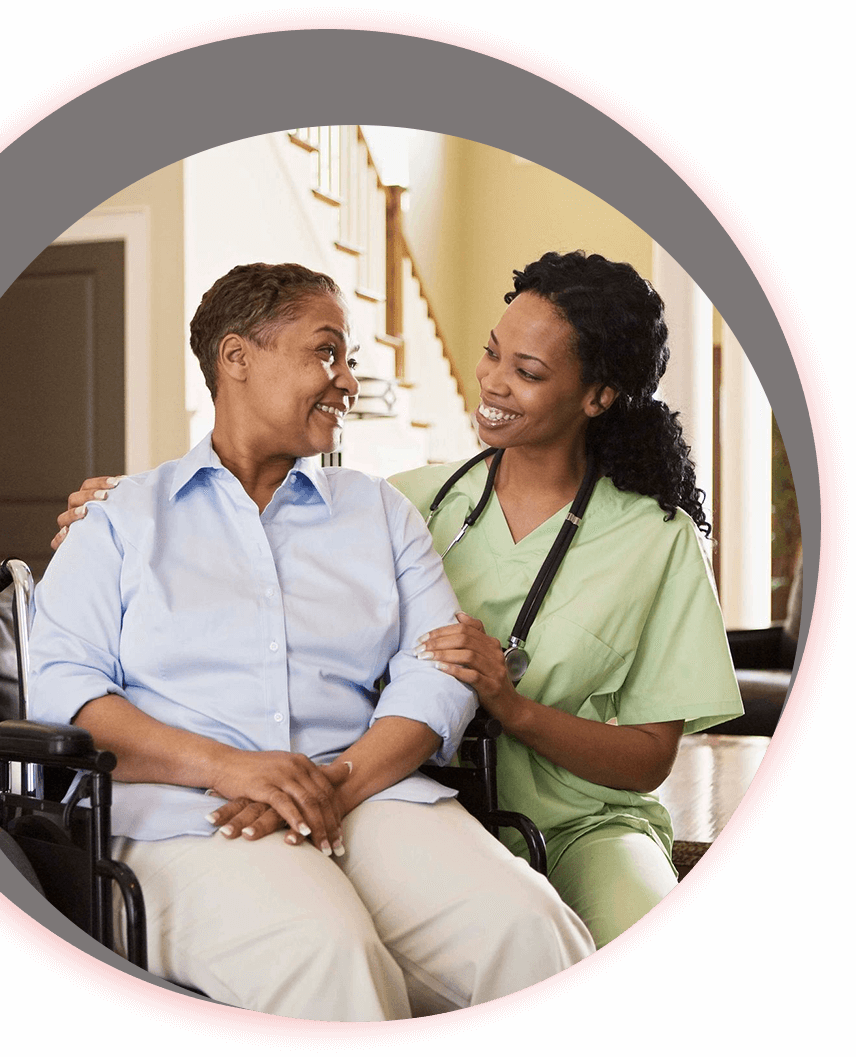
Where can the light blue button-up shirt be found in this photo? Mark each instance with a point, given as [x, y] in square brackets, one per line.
[260, 631]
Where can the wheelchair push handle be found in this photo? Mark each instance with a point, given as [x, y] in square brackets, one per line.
[15, 572]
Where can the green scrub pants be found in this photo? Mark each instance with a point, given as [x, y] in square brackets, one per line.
[612, 876]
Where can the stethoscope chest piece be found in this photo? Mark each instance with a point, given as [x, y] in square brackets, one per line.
[516, 663]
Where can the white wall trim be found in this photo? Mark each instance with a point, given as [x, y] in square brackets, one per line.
[687, 385]
[745, 525]
[111, 223]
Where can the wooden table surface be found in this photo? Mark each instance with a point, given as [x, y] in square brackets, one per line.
[710, 776]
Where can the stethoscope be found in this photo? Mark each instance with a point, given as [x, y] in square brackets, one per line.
[516, 657]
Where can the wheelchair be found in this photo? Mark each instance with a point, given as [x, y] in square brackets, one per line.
[55, 795]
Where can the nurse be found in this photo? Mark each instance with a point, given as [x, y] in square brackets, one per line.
[625, 643]
[627, 650]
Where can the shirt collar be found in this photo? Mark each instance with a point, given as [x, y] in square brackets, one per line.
[203, 457]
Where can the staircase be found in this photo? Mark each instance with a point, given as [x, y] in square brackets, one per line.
[411, 410]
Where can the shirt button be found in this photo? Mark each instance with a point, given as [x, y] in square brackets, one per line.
[269, 592]
[274, 646]
[278, 717]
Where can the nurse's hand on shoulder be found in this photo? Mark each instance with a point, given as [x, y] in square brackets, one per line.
[97, 488]
[467, 652]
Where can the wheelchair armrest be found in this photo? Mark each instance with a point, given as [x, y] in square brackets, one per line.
[535, 843]
[51, 743]
[136, 943]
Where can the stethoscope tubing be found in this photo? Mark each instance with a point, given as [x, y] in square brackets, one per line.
[516, 658]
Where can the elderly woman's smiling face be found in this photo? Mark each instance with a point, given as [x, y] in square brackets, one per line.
[300, 382]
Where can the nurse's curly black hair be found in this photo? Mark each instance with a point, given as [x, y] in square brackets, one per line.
[621, 342]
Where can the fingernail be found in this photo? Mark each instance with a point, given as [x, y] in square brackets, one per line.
[350, 766]
[113, 481]
[248, 831]
[64, 531]
[423, 638]
[304, 830]
[79, 510]
[290, 839]
[338, 847]
[441, 666]
[212, 818]
[425, 655]
[100, 494]
[325, 847]
[227, 831]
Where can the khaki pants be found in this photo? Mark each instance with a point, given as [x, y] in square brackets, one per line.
[425, 913]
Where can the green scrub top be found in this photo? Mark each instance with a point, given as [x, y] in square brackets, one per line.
[629, 632]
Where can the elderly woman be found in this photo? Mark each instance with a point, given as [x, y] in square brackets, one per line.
[221, 625]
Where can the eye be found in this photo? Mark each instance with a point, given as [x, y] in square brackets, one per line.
[353, 364]
[328, 352]
[490, 353]
[529, 377]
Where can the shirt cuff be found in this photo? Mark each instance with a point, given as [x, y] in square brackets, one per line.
[60, 691]
[420, 692]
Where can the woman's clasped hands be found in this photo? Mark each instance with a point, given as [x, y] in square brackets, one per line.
[268, 790]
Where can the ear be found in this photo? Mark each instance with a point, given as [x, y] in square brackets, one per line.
[600, 399]
[233, 358]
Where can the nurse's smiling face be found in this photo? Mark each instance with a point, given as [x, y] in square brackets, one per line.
[531, 391]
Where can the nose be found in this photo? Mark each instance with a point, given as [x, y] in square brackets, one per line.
[491, 376]
[346, 380]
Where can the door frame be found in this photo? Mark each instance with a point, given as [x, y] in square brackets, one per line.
[131, 226]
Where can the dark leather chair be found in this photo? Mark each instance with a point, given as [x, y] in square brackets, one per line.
[763, 662]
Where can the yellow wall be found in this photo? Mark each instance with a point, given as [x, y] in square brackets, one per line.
[492, 214]
[162, 195]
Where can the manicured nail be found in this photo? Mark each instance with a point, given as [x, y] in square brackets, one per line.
[79, 511]
[212, 818]
[338, 847]
[304, 830]
[325, 847]
[423, 638]
[227, 830]
[290, 838]
[349, 765]
[113, 481]
[441, 666]
[424, 655]
[248, 831]
[63, 531]
[100, 494]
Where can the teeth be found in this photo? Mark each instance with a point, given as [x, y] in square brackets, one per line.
[337, 411]
[493, 414]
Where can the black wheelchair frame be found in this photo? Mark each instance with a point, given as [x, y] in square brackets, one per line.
[65, 843]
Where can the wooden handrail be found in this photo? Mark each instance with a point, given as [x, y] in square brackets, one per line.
[397, 251]
[353, 187]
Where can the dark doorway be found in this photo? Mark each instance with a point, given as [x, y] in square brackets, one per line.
[62, 352]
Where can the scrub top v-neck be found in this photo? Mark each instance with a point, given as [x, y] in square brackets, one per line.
[629, 632]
